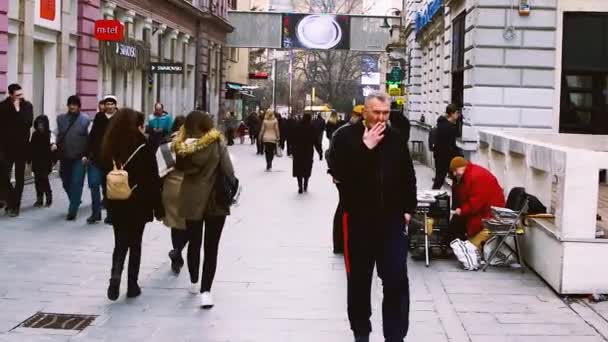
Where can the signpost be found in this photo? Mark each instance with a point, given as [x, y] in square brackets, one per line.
[166, 68]
[109, 30]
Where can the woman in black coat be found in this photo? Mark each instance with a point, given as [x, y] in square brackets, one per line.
[304, 137]
[41, 159]
[124, 143]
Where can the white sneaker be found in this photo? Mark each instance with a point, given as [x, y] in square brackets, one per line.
[206, 300]
[194, 288]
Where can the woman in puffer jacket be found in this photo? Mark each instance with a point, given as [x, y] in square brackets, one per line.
[201, 155]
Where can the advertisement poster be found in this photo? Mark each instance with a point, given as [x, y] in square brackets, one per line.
[316, 31]
[370, 74]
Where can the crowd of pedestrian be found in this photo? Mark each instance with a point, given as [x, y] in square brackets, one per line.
[178, 170]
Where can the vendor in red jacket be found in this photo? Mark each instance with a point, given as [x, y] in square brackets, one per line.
[476, 191]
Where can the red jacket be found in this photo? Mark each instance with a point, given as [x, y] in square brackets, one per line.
[477, 191]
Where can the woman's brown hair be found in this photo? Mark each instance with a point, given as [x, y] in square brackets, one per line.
[122, 137]
[198, 123]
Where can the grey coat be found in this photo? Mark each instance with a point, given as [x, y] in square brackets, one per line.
[197, 195]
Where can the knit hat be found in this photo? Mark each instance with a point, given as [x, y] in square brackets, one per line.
[358, 109]
[458, 162]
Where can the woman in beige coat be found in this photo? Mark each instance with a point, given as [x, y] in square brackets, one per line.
[201, 155]
[270, 136]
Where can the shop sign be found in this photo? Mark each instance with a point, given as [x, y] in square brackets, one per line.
[126, 50]
[109, 30]
[258, 75]
[166, 68]
[47, 9]
[424, 17]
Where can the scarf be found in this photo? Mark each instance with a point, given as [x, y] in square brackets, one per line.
[184, 146]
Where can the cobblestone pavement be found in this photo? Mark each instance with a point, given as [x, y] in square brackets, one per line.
[277, 279]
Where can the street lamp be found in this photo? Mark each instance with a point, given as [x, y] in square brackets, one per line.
[385, 23]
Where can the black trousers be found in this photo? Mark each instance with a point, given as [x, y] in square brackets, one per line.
[127, 238]
[377, 240]
[230, 136]
[442, 166]
[14, 193]
[4, 180]
[41, 181]
[269, 150]
[319, 146]
[303, 183]
[260, 146]
[179, 239]
[213, 227]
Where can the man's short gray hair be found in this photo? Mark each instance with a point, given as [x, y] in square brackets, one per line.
[377, 95]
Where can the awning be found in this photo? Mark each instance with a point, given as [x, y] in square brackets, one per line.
[234, 86]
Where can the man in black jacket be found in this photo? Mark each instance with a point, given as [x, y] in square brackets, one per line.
[445, 148]
[96, 172]
[372, 163]
[17, 116]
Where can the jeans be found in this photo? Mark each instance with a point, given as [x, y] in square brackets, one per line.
[14, 193]
[213, 232]
[269, 150]
[96, 180]
[127, 238]
[72, 173]
[377, 240]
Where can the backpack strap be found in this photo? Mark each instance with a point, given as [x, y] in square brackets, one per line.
[133, 155]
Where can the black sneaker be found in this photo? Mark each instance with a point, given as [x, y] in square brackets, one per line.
[71, 217]
[133, 290]
[114, 289]
[13, 213]
[94, 219]
[108, 220]
[361, 338]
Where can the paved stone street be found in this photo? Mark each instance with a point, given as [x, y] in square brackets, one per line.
[277, 279]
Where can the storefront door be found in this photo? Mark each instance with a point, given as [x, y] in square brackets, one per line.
[584, 94]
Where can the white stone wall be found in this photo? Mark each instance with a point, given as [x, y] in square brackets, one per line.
[508, 83]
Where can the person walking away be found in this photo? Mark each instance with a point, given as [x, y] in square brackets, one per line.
[476, 190]
[159, 126]
[41, 160]
[444, 147]
[371, 162]
[282, 128]
[17, 117]
[333, 123]
[172, 183]
[201, 155]
[71, 147]
[242, 131]
[319, 124]
[124, 145]
[270, 136]
[259, 142]
[338, 238]
[304, 138]
[96, 173]
[230, 125]
[253, 123]
[292, 123]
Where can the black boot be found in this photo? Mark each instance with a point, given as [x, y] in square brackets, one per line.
[133, 289]
[305, 184]
[300, 190]
[49, 199]
[39, 199]
[114, 289]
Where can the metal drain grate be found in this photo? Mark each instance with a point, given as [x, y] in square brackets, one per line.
[45, 320]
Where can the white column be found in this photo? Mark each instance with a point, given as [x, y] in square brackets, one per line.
[108, 10]
[172, 101]
[184, 86]
[128, 18]
[146, 90]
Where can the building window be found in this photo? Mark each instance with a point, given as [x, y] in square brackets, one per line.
[458, 32]
[232, 4]
[584, 79]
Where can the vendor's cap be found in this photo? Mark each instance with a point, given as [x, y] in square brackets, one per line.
[457, 163]
[358, 109]
[110, 98]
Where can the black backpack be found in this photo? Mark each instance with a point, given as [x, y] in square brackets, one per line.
[432, 138]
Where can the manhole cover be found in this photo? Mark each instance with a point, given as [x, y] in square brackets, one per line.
[44, 320]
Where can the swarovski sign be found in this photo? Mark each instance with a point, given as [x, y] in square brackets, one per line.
[425, 16]
[126, 50]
